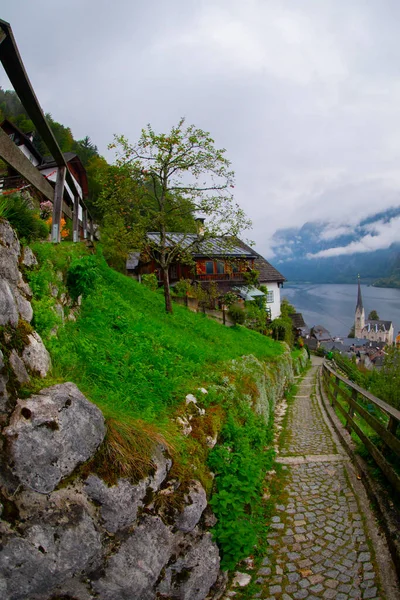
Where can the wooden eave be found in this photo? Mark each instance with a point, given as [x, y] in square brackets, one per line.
[14, 67]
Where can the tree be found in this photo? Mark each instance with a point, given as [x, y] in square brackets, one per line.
[180, 174]
[373, 316]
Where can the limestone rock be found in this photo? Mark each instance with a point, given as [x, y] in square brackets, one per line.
[192, 574]
[35, 355]
[8, 238]
[196, 503]
[50, 434]
[119, 503]
[8, 306]
[9, 263]
[3, 386]
[23, 305]
[18, 367]
[162, 466]
[135, 568]
[48, 554]
[25, 288]
[28, 258]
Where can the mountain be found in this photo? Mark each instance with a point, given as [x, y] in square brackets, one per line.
[295, 251]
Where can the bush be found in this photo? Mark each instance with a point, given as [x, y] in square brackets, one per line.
[25, 220]
[81, 276]
[150, 281]
[237, 314]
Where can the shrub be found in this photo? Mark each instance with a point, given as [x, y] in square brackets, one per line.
[25, 220]
[237, 314]
[81, 276]
[150, 281]
[282, 330]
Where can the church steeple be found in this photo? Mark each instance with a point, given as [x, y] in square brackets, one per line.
[359, 297]
[359, 321]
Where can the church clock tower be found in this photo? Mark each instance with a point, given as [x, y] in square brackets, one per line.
[359, 320]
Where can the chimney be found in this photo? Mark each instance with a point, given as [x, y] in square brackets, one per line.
[200, 226]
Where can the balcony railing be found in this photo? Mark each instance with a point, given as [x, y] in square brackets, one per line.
[219, 277]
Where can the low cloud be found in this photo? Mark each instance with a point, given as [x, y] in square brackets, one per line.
[332, 232]
[382, 235]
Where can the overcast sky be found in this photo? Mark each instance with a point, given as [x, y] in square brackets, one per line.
[303, 94]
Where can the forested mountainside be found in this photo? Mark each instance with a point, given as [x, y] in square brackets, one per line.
[295, 249]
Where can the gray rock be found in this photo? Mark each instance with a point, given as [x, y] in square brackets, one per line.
[50, 434]
[191, 576]
[196, 503]
[23, 305]
[53, 290]
[119, 503]
[35, 355]
[8, 306]
[18, 368]
[9, 239]
[48, 554]
[162, 466]
[25, 288]
[59, 311]
[9, 264]
[132, 572]
[28, 258]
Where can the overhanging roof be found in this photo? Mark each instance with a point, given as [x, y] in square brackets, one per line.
[14, 67]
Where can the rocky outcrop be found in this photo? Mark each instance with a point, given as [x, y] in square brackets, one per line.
[16, 310]
[50, 434]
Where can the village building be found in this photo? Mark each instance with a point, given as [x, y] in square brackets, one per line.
[214, 262]
[368, 329]
[11, 180]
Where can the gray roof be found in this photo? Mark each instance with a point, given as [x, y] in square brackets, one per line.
[297, 320]
[378, 325]
[50, 162]
[267, 271]
[205, 248]
[133, 260]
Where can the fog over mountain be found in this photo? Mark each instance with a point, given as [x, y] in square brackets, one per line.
[336, 253]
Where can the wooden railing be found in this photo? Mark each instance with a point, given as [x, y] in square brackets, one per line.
[384, 423]
[219, 277]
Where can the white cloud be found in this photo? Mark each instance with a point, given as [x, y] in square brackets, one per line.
[382, 236]
[332, 232]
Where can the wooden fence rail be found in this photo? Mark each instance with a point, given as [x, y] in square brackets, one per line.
[354, 396]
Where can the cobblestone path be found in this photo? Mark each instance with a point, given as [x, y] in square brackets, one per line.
[319, 546]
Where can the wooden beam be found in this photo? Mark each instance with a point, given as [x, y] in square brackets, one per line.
[84, 222]
[17, 160]
[75, 220]
[57, 206]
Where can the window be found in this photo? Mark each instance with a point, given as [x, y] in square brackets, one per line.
[173, 273]
[270, 297]
[220, 267]
[235, 268]
[209, 267]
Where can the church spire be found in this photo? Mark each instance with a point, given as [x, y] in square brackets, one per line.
[359, 298]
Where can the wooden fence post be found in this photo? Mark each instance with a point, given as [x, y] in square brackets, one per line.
[351, 409]
[84, 222]
[91, 227]
[75, 220]
[57, 206]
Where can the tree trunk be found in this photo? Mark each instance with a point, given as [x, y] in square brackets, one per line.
[167, 291]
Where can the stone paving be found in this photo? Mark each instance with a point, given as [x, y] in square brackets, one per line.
[318, 544]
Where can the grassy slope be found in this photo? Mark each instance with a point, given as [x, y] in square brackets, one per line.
[128, 356]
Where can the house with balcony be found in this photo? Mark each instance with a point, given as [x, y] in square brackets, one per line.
[212, 260]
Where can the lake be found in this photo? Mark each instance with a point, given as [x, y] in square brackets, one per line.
[333, 305]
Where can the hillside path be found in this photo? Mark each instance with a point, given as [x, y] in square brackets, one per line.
[322, 536]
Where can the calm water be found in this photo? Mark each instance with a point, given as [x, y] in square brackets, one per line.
[333, 305]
